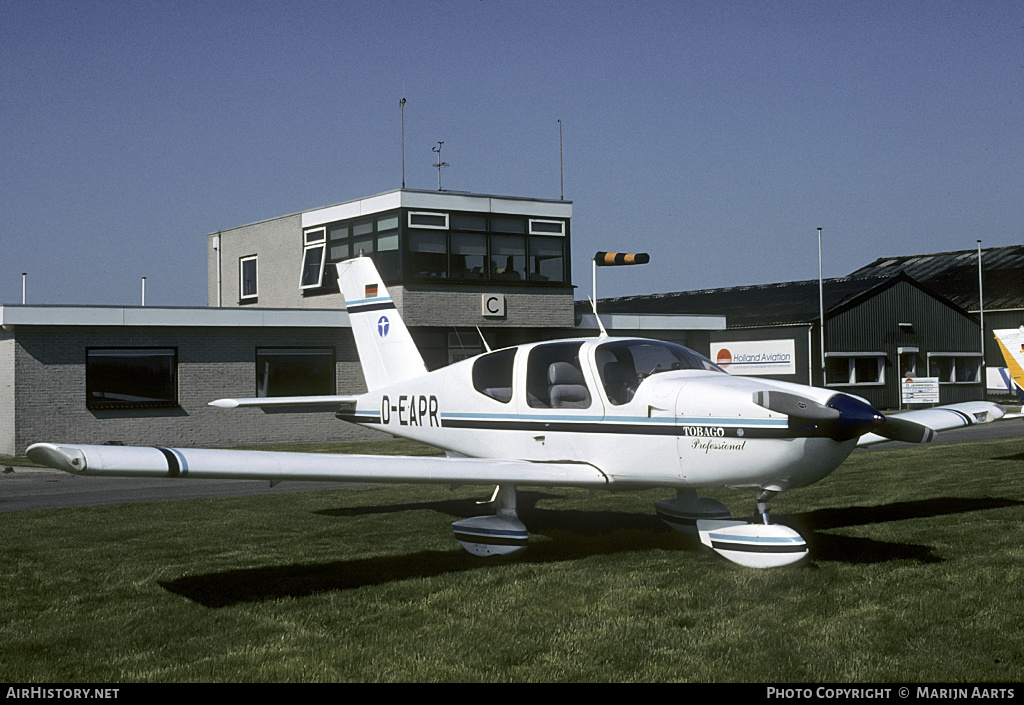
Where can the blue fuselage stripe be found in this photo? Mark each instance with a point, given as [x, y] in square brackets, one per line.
[616, 425]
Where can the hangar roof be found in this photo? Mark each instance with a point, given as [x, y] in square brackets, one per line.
[766, 304]
[955, 275]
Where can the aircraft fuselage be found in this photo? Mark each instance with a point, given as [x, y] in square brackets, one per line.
[645, 413]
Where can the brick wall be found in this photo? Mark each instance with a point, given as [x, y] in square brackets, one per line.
[49, 399]
[6, 392]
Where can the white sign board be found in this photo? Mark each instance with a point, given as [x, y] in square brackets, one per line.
[920, 390]
[492, 305]
[756, 357]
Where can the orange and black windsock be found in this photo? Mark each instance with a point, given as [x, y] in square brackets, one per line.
[610, 259]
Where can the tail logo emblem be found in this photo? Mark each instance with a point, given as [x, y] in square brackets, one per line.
[383, 325]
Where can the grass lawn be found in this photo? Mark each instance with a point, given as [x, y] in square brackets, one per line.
[916, 575]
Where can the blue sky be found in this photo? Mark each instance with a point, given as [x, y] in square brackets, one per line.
[717, 136]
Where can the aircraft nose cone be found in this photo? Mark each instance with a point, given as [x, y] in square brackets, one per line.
[855, 418]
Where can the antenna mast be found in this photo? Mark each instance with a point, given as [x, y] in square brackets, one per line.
[401, 107]
[439, 164]
[561, 182]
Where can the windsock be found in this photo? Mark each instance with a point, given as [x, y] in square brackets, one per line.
[608, 259]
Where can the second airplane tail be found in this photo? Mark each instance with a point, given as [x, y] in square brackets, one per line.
[1011, 343]
[387, 352]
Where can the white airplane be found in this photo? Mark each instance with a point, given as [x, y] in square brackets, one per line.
[605, 413]
[1011, 343]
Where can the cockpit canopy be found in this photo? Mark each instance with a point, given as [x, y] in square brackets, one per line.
[554, 371]
[624, 364]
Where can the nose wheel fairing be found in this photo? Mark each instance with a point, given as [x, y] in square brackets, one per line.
[491, 535]
[753, 545]
[499, 534]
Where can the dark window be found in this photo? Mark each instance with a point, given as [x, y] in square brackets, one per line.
[387, 222]
[465, 221]
[340, 249]
[469, 256]
[547, 227]
[854, 369]
[954, 368]
[554, 377]
[411, 245]
[312, 267]
[248, 280]
[428, 254]
[867, 369]
[492, 374]
[837, 370]
[547, 260]
[314, 256]
[501, 224]
[389, 257]
[428, 220]
[508, 257]
[131, 378]
[294, 372]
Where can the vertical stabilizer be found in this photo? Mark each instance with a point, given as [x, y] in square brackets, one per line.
[1011, 342]
[386, 350]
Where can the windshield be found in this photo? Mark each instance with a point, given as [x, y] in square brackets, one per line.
[624, 364]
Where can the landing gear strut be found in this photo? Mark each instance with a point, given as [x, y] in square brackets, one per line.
[762, 497]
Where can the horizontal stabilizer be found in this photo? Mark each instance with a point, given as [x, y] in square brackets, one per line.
[331, 400]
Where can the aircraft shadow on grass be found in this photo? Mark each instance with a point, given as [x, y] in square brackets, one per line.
[573, 535]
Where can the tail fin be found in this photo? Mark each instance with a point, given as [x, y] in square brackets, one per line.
[1011, 342]
[387, 352]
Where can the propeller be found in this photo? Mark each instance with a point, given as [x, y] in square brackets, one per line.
[795, 406]
[844, 417]
[897, 429]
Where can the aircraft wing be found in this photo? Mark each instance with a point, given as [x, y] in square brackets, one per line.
[943, 418]
[131, 461]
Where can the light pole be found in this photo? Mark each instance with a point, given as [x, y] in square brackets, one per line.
[821, 310]
[981, 309]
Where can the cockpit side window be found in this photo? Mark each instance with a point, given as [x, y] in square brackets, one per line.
[624, 364]
[492, 374]
[554, 377]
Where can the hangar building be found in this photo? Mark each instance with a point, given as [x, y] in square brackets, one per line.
[915, 315]
[998, 298]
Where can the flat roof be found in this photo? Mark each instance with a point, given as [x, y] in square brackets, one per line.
[653, 321]
[443, 200]
[183, 316]
[12, 315]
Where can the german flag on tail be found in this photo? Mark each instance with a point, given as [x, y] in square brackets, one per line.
[610, 259]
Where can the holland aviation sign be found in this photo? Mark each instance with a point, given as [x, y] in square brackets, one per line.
[756, 357]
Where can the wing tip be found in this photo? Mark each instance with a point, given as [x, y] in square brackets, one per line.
[68, 459]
